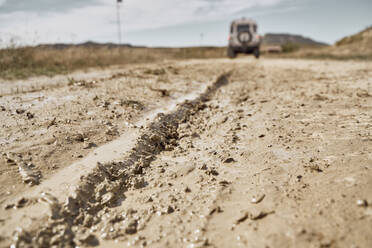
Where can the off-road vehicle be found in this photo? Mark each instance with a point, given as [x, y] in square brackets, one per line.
[243, 38]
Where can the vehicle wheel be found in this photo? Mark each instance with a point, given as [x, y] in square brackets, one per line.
[245, 37]
[256, 52]
[231, 53]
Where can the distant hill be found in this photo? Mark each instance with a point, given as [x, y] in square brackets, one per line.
[271, 39]
[356, 46]
[86, 44]
[362, 39]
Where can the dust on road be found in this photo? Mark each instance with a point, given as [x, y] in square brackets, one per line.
[275, 154]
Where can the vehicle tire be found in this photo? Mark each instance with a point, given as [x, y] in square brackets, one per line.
[256, 52]
[231, 53]
[245, 37]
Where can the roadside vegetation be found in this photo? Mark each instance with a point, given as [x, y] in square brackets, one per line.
[364, 36]
[49, 60]
[290, 47]
[23, 62]
[353, 47]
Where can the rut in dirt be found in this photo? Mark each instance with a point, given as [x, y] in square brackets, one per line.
[105, 187]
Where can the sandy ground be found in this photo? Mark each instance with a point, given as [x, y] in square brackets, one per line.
[202, 153]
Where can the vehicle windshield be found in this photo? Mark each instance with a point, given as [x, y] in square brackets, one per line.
[243, 28]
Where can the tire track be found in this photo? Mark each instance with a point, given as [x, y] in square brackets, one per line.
[105, 186]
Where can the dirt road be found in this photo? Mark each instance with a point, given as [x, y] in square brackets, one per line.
[202, 153]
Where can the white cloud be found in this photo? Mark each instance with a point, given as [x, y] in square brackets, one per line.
[96, 22]
[147, 14]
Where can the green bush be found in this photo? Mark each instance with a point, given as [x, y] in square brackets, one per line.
[290, 47]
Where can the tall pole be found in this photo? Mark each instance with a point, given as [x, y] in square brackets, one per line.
[118, 19]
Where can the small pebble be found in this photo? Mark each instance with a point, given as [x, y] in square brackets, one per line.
[362, 203]
[258, 199]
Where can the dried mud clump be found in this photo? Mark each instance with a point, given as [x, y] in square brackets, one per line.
[26, 169]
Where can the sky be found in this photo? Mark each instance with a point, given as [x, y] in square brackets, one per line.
[175, 22]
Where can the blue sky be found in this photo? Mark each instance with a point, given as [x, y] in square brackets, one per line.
[175, 22]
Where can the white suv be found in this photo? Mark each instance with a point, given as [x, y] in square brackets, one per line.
[243, 38]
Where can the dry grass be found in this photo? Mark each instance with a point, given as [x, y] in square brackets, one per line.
[356, 47]
[18, 63]
[364, 36]
[332, 53]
